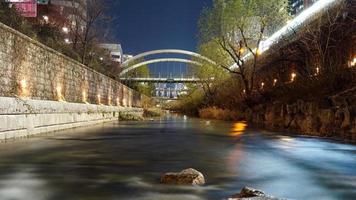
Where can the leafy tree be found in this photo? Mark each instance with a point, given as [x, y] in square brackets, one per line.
[238, 27]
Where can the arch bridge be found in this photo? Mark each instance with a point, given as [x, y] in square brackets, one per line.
[161, 78]
[128, 66]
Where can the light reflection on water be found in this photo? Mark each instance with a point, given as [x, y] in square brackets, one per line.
[238, 128]
[125, 160]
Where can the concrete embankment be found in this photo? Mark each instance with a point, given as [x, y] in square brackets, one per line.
[23, 118]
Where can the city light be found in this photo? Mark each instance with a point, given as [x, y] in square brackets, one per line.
[23, 89]
[45, 18]
[257, 51]
[353, 62]
[59, 93]
[262, 85]
[84, 97]
[275, 82]
[65, 30]
[242, 50]
[23, 84]
[101, 58]
[317, 71]
[293, 76]
[66, 41]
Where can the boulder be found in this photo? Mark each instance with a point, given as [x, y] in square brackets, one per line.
[251, 194]
[186, 177]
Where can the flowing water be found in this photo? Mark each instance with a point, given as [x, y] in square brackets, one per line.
[125, 161]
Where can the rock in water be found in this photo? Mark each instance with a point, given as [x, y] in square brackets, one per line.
[186, 177]
[252, 194]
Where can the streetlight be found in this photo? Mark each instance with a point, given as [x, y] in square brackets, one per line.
[65, 30]
[45, 18]
[317, 71]
[275, 82]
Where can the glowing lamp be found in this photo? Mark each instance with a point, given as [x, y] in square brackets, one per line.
[45, 18]
[293, 76]
[84, 97]
[257, 51]
[65, 30]
[23, 84]
[242, 50]
[275, 82]
[23, 88]
[317, 71]
[353, 62]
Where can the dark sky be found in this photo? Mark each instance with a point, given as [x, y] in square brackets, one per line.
[142, 25]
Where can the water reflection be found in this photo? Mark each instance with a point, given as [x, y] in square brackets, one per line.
[238, 128]
[125, 160]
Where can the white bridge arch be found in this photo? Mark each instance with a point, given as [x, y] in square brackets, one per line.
[125, 71]
[167, 51]
[126, 65]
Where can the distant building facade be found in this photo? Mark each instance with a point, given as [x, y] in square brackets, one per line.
[68, 13]
[297, 6]
[115, 50]
[27, 8]
[127, 57]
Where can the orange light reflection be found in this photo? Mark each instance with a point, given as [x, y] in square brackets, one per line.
[238, 128]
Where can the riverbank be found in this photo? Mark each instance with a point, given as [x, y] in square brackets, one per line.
[21, 118]
[334, 117]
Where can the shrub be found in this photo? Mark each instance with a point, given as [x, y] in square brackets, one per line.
[220, 114]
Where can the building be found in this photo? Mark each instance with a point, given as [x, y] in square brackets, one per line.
[27, 8]
[127, 57]
[115, 51]
[297, 6]
[69, 13]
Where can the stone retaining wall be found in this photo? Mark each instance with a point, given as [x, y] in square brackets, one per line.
[31, 70]
[42, 90]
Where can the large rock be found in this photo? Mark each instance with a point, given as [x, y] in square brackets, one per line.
[186, 177]
[252, 194]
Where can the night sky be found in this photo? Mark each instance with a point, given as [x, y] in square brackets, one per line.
[142, 25]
